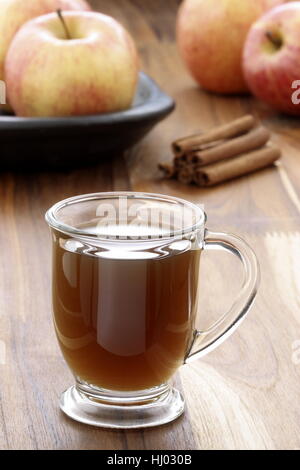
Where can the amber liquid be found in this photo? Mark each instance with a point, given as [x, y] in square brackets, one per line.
[123, 324]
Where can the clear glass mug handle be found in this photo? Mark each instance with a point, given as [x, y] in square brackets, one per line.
[205, 341]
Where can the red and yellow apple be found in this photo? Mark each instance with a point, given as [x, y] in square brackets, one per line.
[95, 70]
[271, 58]
[14, 13]
[211, 35]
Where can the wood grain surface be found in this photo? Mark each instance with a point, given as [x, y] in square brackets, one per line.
[244, 395]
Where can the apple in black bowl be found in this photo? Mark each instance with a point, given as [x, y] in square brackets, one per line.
[73, 82]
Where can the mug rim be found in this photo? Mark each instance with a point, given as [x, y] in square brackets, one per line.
[53, 222]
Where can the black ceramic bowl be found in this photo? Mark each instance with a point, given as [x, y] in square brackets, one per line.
[39, 143]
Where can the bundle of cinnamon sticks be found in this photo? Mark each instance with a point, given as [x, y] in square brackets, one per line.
[225, 152]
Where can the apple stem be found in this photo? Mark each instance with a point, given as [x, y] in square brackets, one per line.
[275, 40]
[60, 16]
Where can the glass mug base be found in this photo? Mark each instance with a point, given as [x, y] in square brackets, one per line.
[117, 410]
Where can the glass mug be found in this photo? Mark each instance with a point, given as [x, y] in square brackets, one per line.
[125, 293]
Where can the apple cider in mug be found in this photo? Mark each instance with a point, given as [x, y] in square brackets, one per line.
[151, 298]
[125, 297]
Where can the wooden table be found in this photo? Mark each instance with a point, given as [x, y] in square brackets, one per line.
[244, 395]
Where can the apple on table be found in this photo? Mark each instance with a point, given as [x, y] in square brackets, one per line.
[211, 35]
[71, 63]
[271, 58]
[14, 13]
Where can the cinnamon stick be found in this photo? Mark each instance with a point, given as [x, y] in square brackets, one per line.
[169, 171]
[227, 169]
[230, 148]
[180, 161]
[225, 131]
[186, 174]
